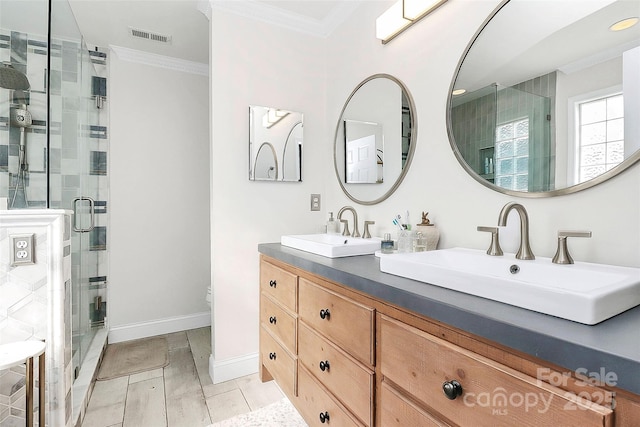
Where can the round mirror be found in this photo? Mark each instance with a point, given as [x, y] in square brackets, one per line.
[375, 139]
[546, 98]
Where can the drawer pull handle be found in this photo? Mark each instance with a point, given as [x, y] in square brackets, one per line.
[272, 283]
[272, 320]
[324, 314]
[324, 366]
[324, 417]
[272, 356]
[452, 389]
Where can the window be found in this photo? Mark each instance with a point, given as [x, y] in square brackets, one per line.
[600, 144]
[512, 155]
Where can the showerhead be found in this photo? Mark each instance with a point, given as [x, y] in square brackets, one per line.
[10, 78]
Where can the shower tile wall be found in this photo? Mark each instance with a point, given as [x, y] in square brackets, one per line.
[27, 54]
[475, 121]
[69, 125]
[35, 304]
[77, 157]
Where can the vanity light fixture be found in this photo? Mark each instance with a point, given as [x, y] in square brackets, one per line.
[624, 24]
[273, 116]
[402, 15]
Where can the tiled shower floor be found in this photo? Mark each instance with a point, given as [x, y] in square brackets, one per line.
[179, 395]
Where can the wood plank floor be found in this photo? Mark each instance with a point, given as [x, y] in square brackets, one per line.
[179, 395]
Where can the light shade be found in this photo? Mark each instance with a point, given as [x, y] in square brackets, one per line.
[401, 15]
[391, 22]
[416, 9]
[273, 116]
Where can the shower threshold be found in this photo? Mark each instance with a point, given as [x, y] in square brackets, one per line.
[83, 385]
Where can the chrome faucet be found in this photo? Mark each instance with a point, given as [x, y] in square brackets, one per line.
[525, 250]
[356, 232]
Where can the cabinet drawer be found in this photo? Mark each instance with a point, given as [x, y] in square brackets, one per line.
[342, 375]
[279, 284]
[492, 394]
[279, 322]
[279, 362]
[342, 320]
[317, 403]
[396, 410]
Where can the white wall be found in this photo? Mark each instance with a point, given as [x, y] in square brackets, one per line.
[424, 58]
[257, 64]
[159, 199]
[265, 65]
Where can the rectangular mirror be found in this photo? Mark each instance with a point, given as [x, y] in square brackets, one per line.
[275, 144]
[364, 147]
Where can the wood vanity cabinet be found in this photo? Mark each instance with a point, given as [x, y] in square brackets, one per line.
[419, 367]
[336, 347]
[279, 327]
[346, 359]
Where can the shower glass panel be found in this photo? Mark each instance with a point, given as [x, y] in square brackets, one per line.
[78, 172]
[57, 159]
[505, 134]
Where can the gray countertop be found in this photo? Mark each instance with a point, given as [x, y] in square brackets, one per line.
[610, 348]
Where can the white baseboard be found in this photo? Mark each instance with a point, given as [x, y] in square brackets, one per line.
[229, 369]
[169, 325]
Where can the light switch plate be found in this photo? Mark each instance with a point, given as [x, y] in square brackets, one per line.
[22, 249]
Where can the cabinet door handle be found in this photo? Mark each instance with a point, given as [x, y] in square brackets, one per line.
[324, 417]
[324, 365]
[272, 283]
[272, 320]
[325, 314]
[272, 356]
[452, 389]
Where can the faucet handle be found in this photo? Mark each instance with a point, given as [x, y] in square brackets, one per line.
[366, 234]
[346, 231]
[570, 233]
[494, 247]
[562, 255]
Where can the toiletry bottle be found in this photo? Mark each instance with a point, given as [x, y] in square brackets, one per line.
[404, 240]
[333, 226]
[386, 245]
[419, 242]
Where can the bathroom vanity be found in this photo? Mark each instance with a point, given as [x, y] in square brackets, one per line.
[351, 346]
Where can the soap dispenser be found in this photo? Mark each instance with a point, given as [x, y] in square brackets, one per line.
[333, 226]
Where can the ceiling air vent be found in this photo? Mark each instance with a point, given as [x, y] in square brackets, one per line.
[149, 35]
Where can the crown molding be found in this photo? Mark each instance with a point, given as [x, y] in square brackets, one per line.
[276, 16]
[161, 61]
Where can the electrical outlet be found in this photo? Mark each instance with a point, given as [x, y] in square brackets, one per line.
[22, 249]
[315, 202]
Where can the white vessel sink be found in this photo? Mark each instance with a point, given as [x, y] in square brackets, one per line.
[582, 292]
[332, 245]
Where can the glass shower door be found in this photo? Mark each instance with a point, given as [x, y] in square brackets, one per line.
[72, 185]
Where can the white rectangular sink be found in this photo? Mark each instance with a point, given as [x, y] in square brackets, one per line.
[583, 292]
[331, 245]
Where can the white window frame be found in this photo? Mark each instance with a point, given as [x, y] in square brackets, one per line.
[573, 152]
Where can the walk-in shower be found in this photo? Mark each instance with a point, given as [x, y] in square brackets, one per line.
[53, 150]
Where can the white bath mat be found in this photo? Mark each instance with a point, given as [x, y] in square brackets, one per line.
[279, 414]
